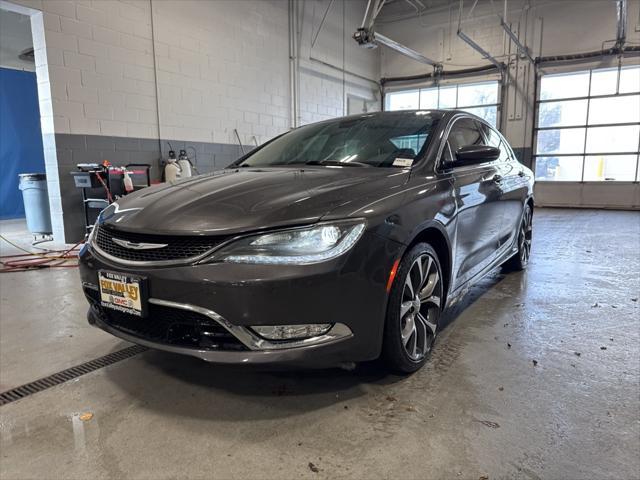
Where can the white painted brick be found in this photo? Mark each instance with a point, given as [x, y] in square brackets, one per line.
[168, 65]
[86, 126]
[134, 12]
[171, 93]
[142, 30]
[266, 120]
[136, 43]
[109, 67]
[142, 131]
[54, 56]
[51, 21]
[141, 102]
[251, 117]
[93, 48]
[147, 116]
[74, 27]
[119, 23]
[106, 35]
[124, 114]
[63, 41]
[78, 93]
[113, 128]
[60, 125]
[139, 73]
[145, 88]
[114, 99]
[91, 15]
[94, 80]
[67, 109]
[79, 61]
[122, 55]
[143, 59]
[125, 85]
[60, 7]
[64, 75]
[101, 112]
[162, 49]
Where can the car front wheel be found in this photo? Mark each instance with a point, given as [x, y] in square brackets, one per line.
[414, 307]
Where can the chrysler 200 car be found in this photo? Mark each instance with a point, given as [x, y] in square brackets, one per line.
[340, 241]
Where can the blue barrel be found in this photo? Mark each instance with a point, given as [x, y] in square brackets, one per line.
[36, 202]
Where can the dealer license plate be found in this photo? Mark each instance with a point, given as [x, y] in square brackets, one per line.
[122, 292]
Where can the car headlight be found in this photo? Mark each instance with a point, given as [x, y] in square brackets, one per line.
[300, 246]
[104, 213]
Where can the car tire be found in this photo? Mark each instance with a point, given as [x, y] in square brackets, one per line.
[415, 303]
[520, 260]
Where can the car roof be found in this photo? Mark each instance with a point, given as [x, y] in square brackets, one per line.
[434, 113]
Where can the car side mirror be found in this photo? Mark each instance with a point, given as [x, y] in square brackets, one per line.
[474, 154]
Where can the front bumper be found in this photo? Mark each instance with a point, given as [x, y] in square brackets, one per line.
[348, 292]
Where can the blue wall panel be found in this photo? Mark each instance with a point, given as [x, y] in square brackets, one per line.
[20, 137]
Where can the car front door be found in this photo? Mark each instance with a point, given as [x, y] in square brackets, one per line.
[477, 196]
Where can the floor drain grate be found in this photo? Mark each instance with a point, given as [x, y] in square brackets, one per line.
[68, 374]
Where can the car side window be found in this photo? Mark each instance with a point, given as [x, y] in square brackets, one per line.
[464, 132]
[494, 139]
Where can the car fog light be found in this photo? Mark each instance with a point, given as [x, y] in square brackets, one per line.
[291, 332]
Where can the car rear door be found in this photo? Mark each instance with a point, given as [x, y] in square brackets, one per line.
[513, 185]
[477, 196]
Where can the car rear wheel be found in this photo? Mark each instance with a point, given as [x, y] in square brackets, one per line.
[525, 234]
[414, 307]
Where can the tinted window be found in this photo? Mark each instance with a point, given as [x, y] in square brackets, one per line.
[495, 140]
[374, 140]
[463, 133]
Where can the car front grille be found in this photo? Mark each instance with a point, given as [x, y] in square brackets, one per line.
[169, 326]
[178, 247]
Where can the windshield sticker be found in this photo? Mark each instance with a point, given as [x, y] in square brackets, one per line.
[403, 162]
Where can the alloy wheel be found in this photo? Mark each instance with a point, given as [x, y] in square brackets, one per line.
[420, 307]
[525, 236]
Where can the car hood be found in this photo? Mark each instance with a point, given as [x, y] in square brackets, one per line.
[239, 200]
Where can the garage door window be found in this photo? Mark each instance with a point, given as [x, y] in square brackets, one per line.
[478, 98]
[588, 126]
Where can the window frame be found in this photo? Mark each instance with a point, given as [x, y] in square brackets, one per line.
[441, 167]
[584, 153]
[457, 85]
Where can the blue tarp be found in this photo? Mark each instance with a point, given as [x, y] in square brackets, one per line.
[20, 137]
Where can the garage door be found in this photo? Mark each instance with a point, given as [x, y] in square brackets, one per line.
[588, 138]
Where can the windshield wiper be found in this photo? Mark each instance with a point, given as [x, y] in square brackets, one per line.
[336, 163]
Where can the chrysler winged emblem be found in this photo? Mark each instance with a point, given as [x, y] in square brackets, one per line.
[136, 245]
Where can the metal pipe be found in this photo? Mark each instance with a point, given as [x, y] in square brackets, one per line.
[371, 13]
[406, 51]
[621, 30]
[442, 74]
[516, 40]
[586, 55]
[479, 49]
[235, 130]
[294, 70]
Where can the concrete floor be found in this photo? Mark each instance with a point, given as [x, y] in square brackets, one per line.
[480, 407]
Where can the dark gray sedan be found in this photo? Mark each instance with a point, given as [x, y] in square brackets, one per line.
[336, 242]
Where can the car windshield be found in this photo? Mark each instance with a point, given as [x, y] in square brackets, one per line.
[389, 140]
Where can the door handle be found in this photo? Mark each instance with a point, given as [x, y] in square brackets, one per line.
[497, 178]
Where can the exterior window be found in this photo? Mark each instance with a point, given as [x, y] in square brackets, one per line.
[588, 126]
[481, 99]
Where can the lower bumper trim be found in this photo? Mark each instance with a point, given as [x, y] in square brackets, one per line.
[252, 357]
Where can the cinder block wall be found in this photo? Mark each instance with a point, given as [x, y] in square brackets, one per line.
[119, 78]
